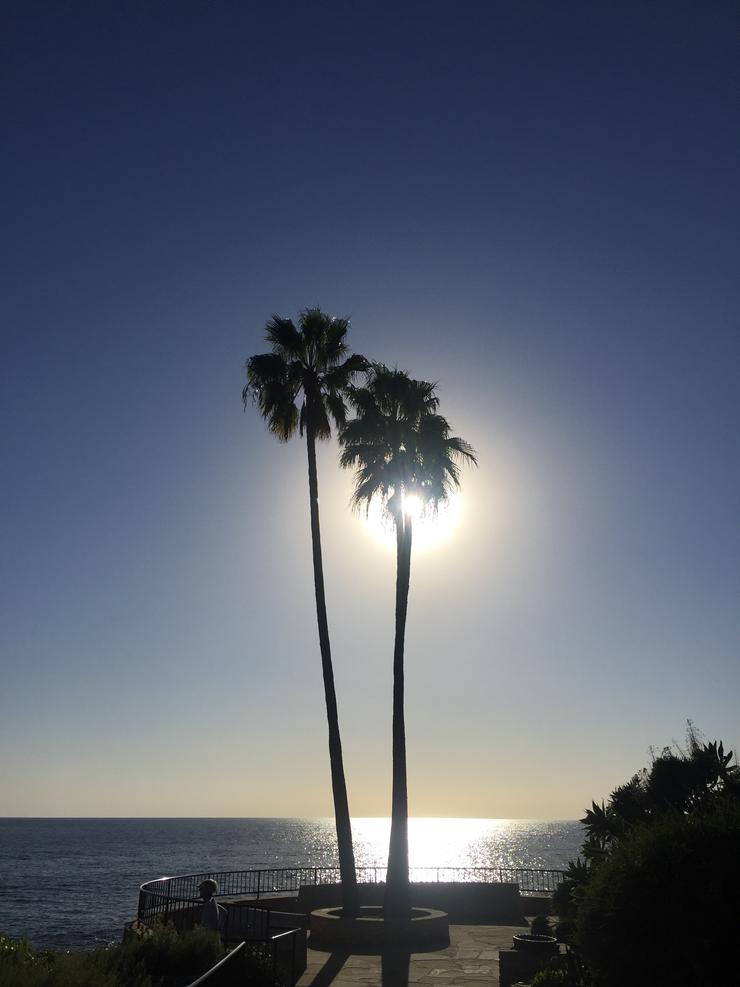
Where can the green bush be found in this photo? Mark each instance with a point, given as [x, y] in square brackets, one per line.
[163, 959]
[657, 909]
[15, 952]
[566, 897]
[565, 930]
[561, 971]
[166, 953]
[540, 926]
[552, 978]
[22, 966]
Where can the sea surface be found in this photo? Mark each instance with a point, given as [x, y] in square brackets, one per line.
[73, 883]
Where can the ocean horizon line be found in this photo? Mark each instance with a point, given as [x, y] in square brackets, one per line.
[327, 818]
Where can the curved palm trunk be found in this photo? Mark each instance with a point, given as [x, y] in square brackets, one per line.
[350, 899]
[398, 891]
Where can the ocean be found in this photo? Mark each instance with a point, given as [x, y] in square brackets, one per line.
[73, 883]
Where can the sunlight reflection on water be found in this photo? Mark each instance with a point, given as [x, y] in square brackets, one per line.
[456, 842]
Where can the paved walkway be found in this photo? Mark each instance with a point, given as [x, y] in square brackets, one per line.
[471, 960]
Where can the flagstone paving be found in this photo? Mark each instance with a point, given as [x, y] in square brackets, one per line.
[471, 960]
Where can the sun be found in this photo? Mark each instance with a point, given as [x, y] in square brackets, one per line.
[413, 507]
[431, 528]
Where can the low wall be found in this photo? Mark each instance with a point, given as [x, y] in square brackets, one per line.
[280, 903]
[467, 903]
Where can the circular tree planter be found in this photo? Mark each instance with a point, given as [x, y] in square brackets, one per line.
[536, 945]
[426, 928]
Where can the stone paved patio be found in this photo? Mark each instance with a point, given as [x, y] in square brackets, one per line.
[470, 959]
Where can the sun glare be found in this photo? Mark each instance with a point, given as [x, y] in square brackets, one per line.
[430, 528]
[413, 507]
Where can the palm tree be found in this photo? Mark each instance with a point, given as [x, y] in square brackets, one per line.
[299, 386]
[403, 453]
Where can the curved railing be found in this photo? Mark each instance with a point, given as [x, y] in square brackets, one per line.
[160, 900]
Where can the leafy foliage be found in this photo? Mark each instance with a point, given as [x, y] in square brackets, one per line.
[553, 978]
[677, 781]
[398, 444]
[165, 958]
[566, 897]
[656, 910]
[300, 383]
[168, 953]
[562, 970]
[540, 926]
[667, 844]
[22, 966]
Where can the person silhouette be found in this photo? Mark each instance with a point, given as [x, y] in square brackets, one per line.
[213, 915]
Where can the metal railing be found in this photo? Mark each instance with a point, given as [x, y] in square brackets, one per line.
[222, 972]
[281, 962]
[171, 897]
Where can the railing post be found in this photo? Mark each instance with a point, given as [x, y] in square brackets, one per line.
[259, 876]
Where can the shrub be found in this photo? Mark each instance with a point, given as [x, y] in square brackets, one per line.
[164, 958]
[540, 926]
[685, 781]
[168, 953]
[553, 978]
[22, 966]
[561, 971]
[15, 953]
[566, 897]
[565, 930]
[656, 909]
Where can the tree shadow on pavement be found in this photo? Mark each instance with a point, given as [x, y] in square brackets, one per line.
[330, 969]
[395, 967]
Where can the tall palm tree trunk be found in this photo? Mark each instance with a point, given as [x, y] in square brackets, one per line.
[348, 875]
[398, 891]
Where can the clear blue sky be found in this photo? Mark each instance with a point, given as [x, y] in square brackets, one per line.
[535, 204]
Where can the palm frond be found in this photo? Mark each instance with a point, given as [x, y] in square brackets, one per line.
[342, 375]
[334, 335]
[314, 324]
[263, 368]
[285, 338]
[315, 416]
[368, 485]
[336, 407]
[315, 412]
[398, 443]
[283, 420]
[271, 388]
[362, 400]
[295, 374]
[363, 455]
[463, 450]
[305, 361]
[321, 423]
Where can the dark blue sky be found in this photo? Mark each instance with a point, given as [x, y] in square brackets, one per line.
[534, 203]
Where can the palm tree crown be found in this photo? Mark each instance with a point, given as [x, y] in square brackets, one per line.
[299, 385]
[399, 444]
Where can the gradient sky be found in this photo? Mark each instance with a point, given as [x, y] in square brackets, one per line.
[535, 204]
